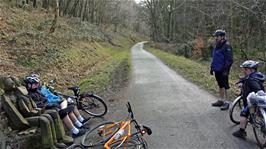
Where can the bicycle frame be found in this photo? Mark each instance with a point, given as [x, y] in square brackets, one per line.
[76, 97]
[76, 91]
[124, 125]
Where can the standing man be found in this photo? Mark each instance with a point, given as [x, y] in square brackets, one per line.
[222, 60]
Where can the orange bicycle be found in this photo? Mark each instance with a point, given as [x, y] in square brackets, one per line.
[112, 135]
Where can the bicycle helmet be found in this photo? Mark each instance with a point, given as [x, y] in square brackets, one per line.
[33, 78]
[219, 32]
[35, 75]
[250, 64]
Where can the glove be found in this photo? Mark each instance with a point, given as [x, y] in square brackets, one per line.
[70, 100]
[211, 72]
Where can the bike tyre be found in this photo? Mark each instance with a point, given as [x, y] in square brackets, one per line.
[92, 98]
[94, 130]
[236, 102]
[132, 143]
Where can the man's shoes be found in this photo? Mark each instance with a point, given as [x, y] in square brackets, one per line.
[218, 103]
[81, 132]
[85, 120]
[225, 106]
[240, 134]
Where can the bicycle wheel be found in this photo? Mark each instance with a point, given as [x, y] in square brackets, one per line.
[98, 135]
[258, 124]
[94, 105]
[235, 109]
[132, 143]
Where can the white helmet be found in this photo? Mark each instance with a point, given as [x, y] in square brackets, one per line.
[250, 64]
[219, 32]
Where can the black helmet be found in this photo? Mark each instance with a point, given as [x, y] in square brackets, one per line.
[250, 64]
[219, 32]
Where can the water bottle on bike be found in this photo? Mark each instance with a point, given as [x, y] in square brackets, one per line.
[119, 134]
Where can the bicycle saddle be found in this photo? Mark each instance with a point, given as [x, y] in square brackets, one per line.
[74, 88]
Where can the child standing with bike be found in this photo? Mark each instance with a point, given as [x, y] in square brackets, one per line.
[252, 82]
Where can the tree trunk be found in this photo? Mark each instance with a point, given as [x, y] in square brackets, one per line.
[56, 11]
[73, 10]
[66, 7]
[61, 6]
[81, 9]
[45, 4]
[34, 3]
[85, 11]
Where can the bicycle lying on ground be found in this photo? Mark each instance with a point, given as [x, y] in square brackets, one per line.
[257, 118]
[89, 102]
[112, 135]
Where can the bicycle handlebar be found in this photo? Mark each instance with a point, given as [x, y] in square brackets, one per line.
[137, 126]
[129, 109]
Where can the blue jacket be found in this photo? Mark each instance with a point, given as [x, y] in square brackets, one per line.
[222, 58]
[51, 98]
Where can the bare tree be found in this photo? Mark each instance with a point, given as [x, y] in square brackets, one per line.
[56, 12]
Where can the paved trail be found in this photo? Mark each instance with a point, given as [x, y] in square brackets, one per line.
[178, 111]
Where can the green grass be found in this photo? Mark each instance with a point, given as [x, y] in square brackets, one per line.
[26, 61]
[195, 71]
[99, 80]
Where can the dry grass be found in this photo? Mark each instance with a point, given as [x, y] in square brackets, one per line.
[77, 50]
